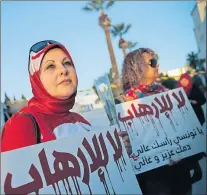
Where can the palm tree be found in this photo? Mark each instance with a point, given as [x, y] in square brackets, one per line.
[105, 23]
[131, 45]
[7, 100]
[192, 59]
[201, 62]
[23, 97]
[120, 30]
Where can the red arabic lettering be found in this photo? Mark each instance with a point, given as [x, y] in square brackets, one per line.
[60, 174]
[97, 159]
[28, 188]
[156, 110]
[126, 118]
[117, 149]
[164, 105]
[181, 100]
[86, 177]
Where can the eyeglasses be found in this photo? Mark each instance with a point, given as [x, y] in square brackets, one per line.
[153, 62]
[41, 45]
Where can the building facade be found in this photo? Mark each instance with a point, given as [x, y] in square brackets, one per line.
[199, 19]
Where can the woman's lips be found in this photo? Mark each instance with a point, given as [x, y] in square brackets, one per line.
[66, 81]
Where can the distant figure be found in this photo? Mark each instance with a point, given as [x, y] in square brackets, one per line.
[197, 99]
[195, 95]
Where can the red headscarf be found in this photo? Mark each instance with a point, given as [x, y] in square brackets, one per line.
[188, 87]
[48, 111]
[42, 101]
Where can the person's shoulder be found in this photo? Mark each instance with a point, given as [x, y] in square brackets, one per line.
[19, 131]
[120, 99]
[18, 122]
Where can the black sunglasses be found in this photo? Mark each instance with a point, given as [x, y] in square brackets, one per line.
[153, 63]
[41, 45]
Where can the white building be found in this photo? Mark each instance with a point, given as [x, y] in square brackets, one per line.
[199, 18]
[86, 103]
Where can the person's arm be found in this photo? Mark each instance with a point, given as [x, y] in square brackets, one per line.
[125, 138]
[18, 133]
[198, 96]
[197, 175]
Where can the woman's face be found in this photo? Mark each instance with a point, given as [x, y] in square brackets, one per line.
[149, 74]
[57, 74]
[184, 82]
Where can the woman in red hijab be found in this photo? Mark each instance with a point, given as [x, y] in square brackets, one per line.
[47, 117]
[54, 84]
[195, 95]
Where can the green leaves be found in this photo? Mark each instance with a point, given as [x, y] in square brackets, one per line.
[109, 4]
[127, 28]
[192, 59]
[120, 29]
[98, 5]
[86, 8]
[131, 44]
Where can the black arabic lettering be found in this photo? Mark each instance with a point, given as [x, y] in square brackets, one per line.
[193, 134]
[169, 141]
[156, 145]
[188, 146]
[157, 159]
[200, 131]
[164, 156]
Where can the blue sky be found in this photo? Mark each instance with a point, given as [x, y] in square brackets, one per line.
[166, 27]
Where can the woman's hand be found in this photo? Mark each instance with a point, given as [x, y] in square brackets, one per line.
[193, 101]
[172, 162]
[126, 141]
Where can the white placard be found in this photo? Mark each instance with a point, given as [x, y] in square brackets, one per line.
[161, 127]
[89, 163]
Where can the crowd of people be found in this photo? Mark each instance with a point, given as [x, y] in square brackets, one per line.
[54, 85]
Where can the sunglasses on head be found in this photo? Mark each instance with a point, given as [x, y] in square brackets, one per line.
[41, 45]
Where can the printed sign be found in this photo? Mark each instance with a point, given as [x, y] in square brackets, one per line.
[161, 127]
[89, 163]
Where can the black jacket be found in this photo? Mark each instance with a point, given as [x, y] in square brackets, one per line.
[199, 97]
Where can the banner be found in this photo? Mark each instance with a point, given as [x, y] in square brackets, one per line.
[89, 163]
[103, 88]
[161, 127]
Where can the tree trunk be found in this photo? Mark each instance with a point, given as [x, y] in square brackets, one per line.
[115, 73]
[124, 51]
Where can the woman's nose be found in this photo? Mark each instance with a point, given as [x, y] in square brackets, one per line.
[63, 70]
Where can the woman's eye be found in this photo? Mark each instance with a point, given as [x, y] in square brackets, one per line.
[68, 63]
[51, 66]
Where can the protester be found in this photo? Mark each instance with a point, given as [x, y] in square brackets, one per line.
[139, 74]
[195, 95]
[197, 99]
[47, 117]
